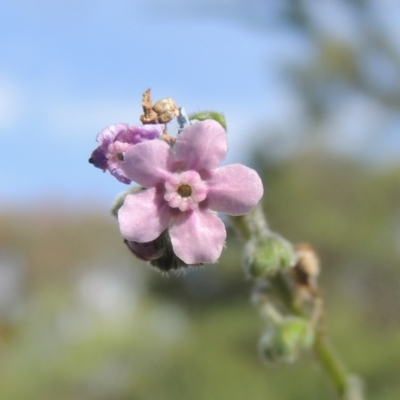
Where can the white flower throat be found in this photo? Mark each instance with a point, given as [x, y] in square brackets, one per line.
[185, 190]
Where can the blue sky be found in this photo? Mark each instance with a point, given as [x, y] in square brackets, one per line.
[70, 68]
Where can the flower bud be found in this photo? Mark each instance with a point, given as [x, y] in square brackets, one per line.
[145, 251]
[284, 340]
[203, 115]
[266, 258]
[159, 252]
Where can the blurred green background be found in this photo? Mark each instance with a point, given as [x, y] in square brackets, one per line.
[80, 319]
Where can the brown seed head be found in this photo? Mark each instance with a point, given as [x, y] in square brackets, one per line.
[161, 112]
[307, 267]
[166, 110]
[308, 260]
[149, 115]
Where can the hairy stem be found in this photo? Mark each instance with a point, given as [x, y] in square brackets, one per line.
[347, 387]
[331, 363]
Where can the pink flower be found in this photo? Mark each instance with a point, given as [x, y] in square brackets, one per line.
[184, 188]
[115, 140]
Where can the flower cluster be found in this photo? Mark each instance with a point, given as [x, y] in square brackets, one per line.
[182, 189]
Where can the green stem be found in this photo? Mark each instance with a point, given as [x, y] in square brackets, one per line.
[254, 225]
[346, 387]
[282, 286]
[331, 364]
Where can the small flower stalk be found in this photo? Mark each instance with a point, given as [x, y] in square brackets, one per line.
[289, 300]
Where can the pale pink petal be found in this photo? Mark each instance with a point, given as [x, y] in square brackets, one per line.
[107, 135]
[143, 216]
[147, 163]
[197, 236]
[202, 145]
[234, 189]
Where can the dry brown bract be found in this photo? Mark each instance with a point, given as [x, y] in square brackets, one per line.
[161, 112]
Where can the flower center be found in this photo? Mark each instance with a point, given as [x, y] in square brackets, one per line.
[185, 190]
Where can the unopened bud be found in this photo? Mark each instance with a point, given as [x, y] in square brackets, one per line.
[266, 258]
[159, 253]
[285, 340]
[203, 115]
[145, 251]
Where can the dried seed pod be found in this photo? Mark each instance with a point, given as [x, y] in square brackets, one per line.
[162, 112]
[149, 115]
[166, 110]
[307, 261]
[306, 271]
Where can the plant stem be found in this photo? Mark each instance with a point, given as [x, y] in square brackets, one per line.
[331, 364]
[254, 225]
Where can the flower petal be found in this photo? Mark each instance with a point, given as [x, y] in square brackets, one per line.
[234, 189]
[147, 163]
[198, 236]
[119, 175]
[202, 145]
[141, 133]
[107, 135]
[143, 216]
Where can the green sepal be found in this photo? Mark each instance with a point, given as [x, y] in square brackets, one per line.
[285, 340]
[267, 257]
[203, 115]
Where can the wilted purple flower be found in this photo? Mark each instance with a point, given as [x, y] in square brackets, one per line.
[184, 189]
[115, 140]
